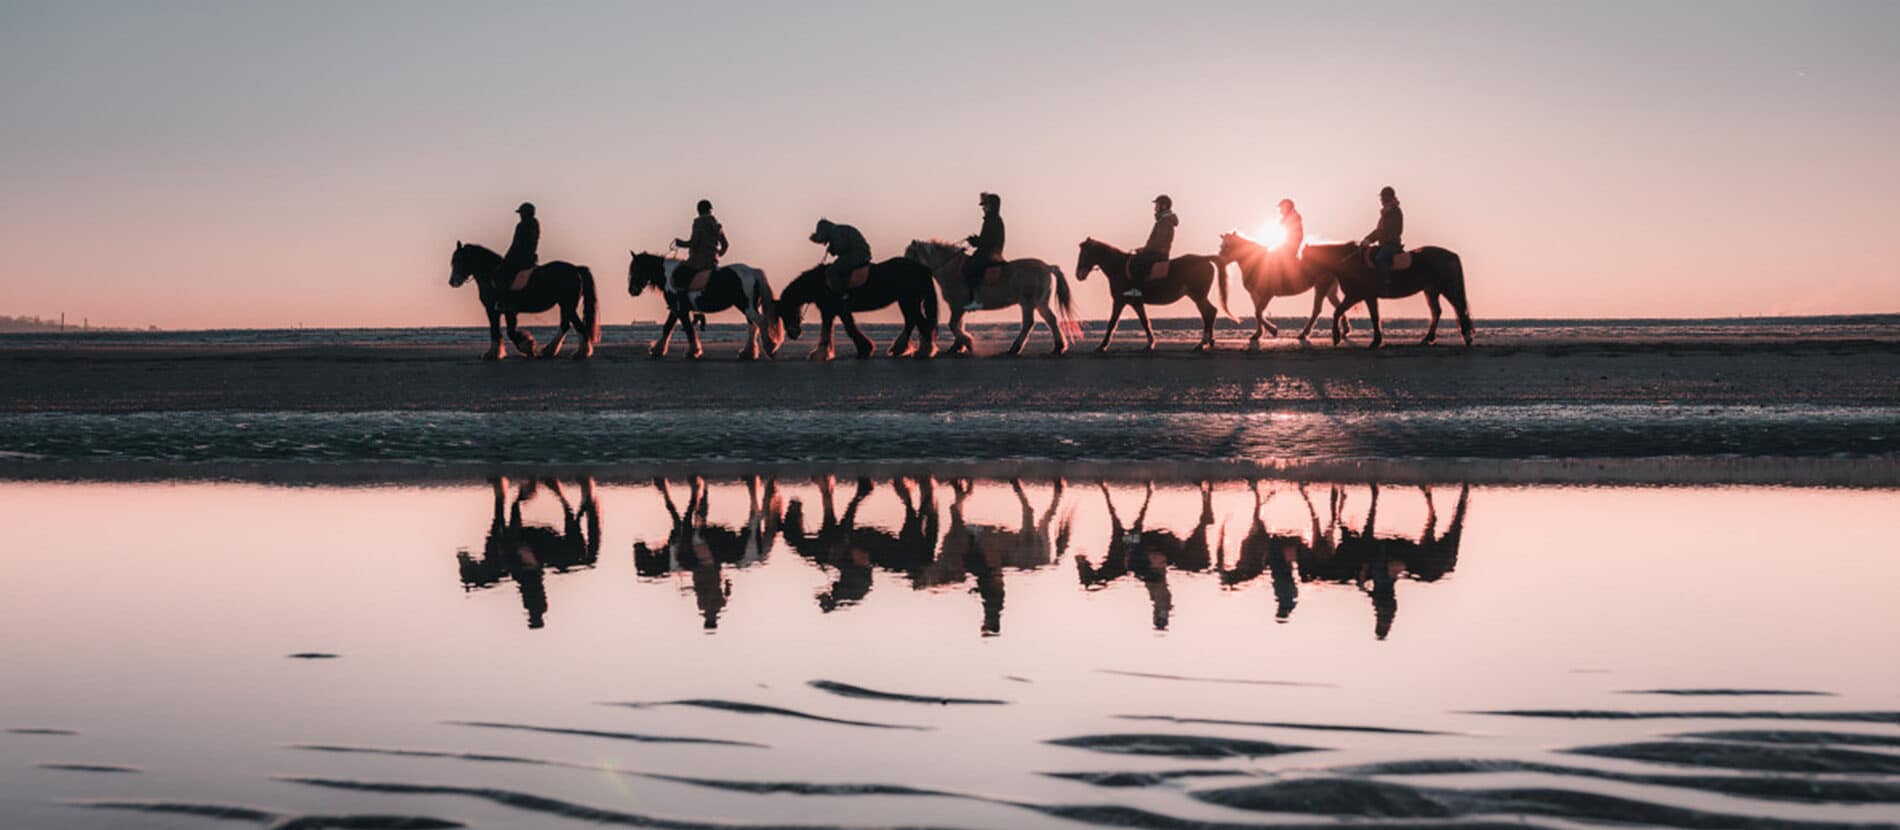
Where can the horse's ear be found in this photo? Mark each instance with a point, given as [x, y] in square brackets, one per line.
[458, 244]
[630, 252]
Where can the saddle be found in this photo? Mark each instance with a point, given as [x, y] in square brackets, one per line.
[1400, 261]
[859, 276]
[520, 281]
[1156, 270]
[993, 273]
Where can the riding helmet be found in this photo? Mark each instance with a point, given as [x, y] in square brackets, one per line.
[1388, 193]
[526, 209]
[991, 201]
[824, 229]
[705, 206]
[1165, 202]
[1286, 203]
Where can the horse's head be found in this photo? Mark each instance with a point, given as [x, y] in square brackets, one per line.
[791, 303]
[1087, 258]
[933, 254]
[469, 261]
[1231, 244]
[644, 270]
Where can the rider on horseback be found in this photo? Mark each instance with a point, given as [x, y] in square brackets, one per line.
[988, 243]
[848, 250]
[703, 249]
[1386, 235]
[1160, 241]
[521, 254]
[1292, 236]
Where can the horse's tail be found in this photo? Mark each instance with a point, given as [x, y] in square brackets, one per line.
[930, 300]
[1065, 302]
[768, 306]
[590, 308]
[1220, 276]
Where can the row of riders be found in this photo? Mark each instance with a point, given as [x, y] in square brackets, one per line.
[975, 278]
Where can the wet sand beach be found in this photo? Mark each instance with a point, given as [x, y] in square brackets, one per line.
[1724, 369]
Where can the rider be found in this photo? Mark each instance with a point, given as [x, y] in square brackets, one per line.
[1391, 226]
[988, 243]
[848, 250]
[1160, 240]
[1292, 236]
[521, 252]
[703, 249]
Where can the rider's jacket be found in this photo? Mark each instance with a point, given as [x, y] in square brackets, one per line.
[1161, 239]
[521, 251]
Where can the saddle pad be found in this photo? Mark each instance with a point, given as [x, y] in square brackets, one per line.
[1401, 261]
[860, 275]
[992, 274]
[521, 279]
[699, 282]
[1158, 270]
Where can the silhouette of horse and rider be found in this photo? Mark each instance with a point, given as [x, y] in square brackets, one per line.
[973, 278]
[518, 551]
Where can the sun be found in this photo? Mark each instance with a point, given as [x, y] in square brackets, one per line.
[1270, 233]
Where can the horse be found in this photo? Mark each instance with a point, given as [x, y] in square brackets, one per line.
[1191, 276]
[550, 284]
[1435, 271]
[899, 281]
[732, 286]
[1029, 283]
[1264, 274]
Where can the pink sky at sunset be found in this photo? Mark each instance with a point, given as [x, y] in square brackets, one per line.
[242, 165]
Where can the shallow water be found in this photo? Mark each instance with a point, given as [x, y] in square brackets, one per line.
[820, 652]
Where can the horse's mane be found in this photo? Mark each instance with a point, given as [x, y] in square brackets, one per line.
[481, 250]
[1099, 243]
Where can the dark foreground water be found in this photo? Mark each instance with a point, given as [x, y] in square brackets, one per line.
[937, 652]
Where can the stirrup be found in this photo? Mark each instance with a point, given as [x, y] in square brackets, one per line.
[1132, 293]
[973, 305]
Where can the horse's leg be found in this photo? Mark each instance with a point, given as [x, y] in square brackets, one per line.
[560, 337]
[1319, 302]
[1260, 313]
[1147, 328]
[495, 350]
[1431, 332]
[901, 346]
[1055, 329]
[1339, 315]
[1029, 322]
[666, 333]
[1378, 331]
[961, 342]
[693, 349]
[1207, 324]
[1114, 317]
[524, 342]
[1335, 294]
[1457, 297]
[865, 347]
[1259, 320]
[822, 349]
[752, 334]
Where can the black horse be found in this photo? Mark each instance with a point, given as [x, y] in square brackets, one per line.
[898, 280]
[1190, 276]
[1435, 271]
[520, 552]
[741, 287]
[555, 283]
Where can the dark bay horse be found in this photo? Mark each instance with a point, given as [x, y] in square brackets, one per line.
[741, 287]
[1190, 276]
[1265, 275]
[1435, 271]
[552, 284]
[898, 280]
[1031, 284]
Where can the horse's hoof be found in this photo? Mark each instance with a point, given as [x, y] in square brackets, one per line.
[492, 356]
[1253, 345]
[583, 355]
[1377, 343]
[746, 357]
[1427, 341]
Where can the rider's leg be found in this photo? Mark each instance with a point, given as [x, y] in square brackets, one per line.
[1137, 274]
[973, 281]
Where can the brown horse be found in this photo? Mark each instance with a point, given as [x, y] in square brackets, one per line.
[1434, 271]
[1267, 274]
[1189, 276]
[1033, 285]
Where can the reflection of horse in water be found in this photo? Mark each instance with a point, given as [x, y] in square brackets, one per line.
[1376, 564]
[985, 551]
[701, 548]
[1263, 551]
[519, 551]
[1133, 549]
[838, 543]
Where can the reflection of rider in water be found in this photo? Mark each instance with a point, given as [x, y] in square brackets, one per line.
[518, 551]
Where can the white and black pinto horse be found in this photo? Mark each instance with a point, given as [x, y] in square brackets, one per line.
[731, 286]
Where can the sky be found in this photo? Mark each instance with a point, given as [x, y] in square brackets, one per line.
[198, 164]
